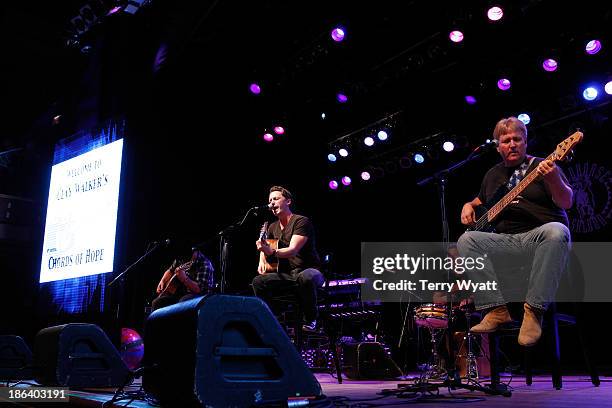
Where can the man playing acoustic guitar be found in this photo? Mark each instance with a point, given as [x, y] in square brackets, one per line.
[298, 260]
[185, 281]
[532, 227]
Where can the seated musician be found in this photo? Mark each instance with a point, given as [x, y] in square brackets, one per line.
[533, 226]
[298, 260]
[186, 281]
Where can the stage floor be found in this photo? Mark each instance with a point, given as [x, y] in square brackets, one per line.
[577, 391]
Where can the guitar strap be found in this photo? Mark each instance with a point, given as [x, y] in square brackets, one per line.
[519, 173]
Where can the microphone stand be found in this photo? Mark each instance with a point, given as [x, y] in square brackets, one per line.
[440, 178]
[145, 255]
[225, 246]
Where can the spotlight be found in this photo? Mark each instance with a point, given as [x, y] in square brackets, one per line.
[523, 117]
[504, 84]
[323, 116]
[279, 130]
[549, 65]
[268, 137]
[255, 89]
[365, 176]
[331, 157]
[456, 36]
[495, 13]
[448, 146]
[368, 141]
[342, 98]
[333, 184]
[590, 93]
[419, 158]
[608, 88]
[593, 47]
[470, 100]
[382, 135]
[346, 180]
[337, 34]
[343, 152]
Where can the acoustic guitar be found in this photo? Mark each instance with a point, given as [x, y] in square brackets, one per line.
[271, 262]
[173, 283]
[484, 222]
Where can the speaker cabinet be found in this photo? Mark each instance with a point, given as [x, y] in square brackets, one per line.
[15, 359]
[77, 355]
[222, 351]
[368, 360]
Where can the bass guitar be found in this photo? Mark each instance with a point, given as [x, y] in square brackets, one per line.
[484, 222]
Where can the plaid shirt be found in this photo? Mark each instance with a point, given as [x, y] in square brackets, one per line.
[202, 272]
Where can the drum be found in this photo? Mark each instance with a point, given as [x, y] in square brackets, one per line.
[431, 315]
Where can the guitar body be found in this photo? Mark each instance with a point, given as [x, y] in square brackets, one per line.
[174, 284]
[482, 224]
[271, 262]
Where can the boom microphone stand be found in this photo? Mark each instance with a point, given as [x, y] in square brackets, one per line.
[440, 178]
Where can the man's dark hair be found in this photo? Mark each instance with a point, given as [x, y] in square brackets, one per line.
[285, 193]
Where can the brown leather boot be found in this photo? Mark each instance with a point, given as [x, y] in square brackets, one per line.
[495, 318]
[531, 328]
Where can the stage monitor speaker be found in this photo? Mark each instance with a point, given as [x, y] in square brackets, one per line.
[15, 359]
[222, 351]
[368, 361]
[77, 355]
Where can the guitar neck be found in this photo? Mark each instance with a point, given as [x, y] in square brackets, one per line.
[508, 198]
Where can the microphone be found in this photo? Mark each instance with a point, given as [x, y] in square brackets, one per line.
[487, 144]
[263, 207]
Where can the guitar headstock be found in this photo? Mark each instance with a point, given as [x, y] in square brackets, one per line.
[565, 147]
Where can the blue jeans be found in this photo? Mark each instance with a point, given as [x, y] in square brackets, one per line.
[544, 249]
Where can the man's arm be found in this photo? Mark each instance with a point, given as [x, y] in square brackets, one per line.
[468, 215]
[296, 243]
[191, 286]
[561, 193]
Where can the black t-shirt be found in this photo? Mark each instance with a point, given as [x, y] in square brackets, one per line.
[307, 257]
[532, 208]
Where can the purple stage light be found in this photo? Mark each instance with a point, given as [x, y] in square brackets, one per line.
[337, 34]
[470, 100]
[343, 152]
[590, 93]
[593, 47]
[342, 98]
[333, 185]
[550, 65]
[114, 10]
[255, 89]
[368, 141]
[608, 88]
[523, 117]
[346, 180]
[365, 176]
[448, 146]
[268, 137]
[279, 130]
[495, 13]
[456, 36]
[503, 84]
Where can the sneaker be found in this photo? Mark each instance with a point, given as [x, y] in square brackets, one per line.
[310, 326]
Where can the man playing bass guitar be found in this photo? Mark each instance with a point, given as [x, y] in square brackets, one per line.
[532, 226]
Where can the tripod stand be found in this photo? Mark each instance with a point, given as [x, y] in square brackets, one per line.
[453, 380]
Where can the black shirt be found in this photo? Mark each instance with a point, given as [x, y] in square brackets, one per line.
[532, 208]
[307, 257]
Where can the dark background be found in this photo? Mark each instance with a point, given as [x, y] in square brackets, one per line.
[195, 161]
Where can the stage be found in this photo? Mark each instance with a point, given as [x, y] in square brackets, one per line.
[577, 391]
